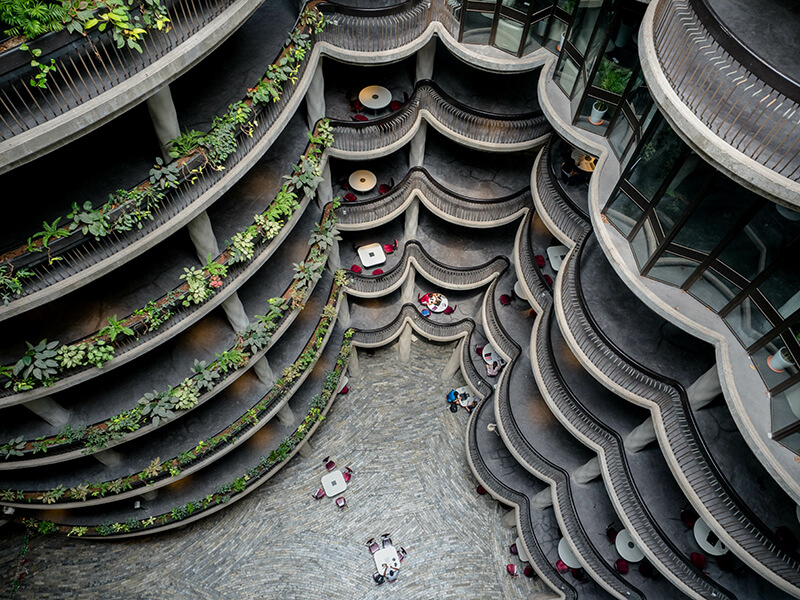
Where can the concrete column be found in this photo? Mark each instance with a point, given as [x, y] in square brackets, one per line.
[264, 372]
[110, 458]
[315, 97]
[234, 310]
[411, 220]
[404, 345]
[334, 258]
[325, 188]
[286, 416]
[416, 154]
[306, 450]
[343, 318]
[587, 472]
[408, 287]
[165, 119]
[49, 410]
[705, 389]
[453, 365]
[151, 495]
[353, 366]
[510, 518]
[425, 56]
[543, 499]
[640, 436]
[203, 238]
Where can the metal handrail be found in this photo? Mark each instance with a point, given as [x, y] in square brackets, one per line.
[558, 185]
[559, 210]
[530, 270]
[684, 441]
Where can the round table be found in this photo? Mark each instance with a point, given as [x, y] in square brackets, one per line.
[704, 538]
[490, 355]
[627, 548]
[585, 162]
[437, 302]
[566, 554]
[375, 97]
[362, 181]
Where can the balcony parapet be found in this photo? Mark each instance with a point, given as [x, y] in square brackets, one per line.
[731, 107]
[679, 438]
[450, 206]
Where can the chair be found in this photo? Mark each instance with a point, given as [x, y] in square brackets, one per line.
[481, 490]
[329, 464]
[689, 517]
[356, 105]
[378, 272]
[561, 566]
[402, 554]
[345, 185]
[345, 390]
[320, 493]
[505, 299]
[512, 570]
[395, 105]
[359, 118]
[383, 189]
[341, 502]
[389, 248]
[347, 474]
[539, 260]
[378, 578]
[355, 269]
[529, 572]
[350, 197]
[548, 280]
[373, 546]
[621, 565]
[611, 533]
[450, 310]
[646, 570]
[387, 541]
[698, 560]
[579, 575]
[513, 550]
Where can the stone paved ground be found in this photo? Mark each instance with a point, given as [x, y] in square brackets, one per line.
[412, 479]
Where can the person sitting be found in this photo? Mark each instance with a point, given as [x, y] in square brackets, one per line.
[569, 170]
[493, 369]
[391, 575]
[471, 403]
[452, 396]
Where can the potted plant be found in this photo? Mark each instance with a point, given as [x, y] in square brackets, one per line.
[610, 77]
[780, 360]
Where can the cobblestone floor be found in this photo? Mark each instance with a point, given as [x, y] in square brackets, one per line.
[412, 479]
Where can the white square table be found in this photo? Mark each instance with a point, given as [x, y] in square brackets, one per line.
[386, 556]
[556, 255]
[371, 255]
[333, 483]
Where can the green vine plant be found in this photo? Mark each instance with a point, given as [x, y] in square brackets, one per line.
[200, 284]
[161, 406]
[158, 470]
[225, 492]
[129, 209]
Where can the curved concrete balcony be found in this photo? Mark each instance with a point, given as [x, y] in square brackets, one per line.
[471, 127]
[680, 441]
[450, 206]
[94, 81]
[729, 104]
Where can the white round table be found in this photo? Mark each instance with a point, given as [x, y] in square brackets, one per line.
[490, 355]
[362, 181]
[707, 539]
[437, 303]
[566, 554]
[627, 548]
[375, 97]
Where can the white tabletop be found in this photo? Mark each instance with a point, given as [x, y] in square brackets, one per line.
[556, 255]
[520, 550]
[375, 97]
[362, 181]
[702, 533]
[386, 556]
[627, 548]
[489, 356]
[371, 255]
[437, 302]
[566, 554]
[333, 483]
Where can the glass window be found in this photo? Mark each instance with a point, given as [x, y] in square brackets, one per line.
[673, 269]
[583, 23]
[786, 408]
[656, 158]
[477, 27]
[713, 290]
[775, 362]
[748, 322]
[643, 244]
[623, 213]
[520, 5]
[782, 287]
[508, 35]
[620, 135]
[566, 74]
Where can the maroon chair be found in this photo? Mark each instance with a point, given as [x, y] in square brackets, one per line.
[347, 474]
[611, 533]
[689, 517]
[561, 566]
[529, 572]
[698, 560]
[344, 390]
[621, 565]
[389, 248]
[373, 546]
[384, 189]
[548, 280]
[356, 105]
[513, 550]
[532, 313]
[378, 272]
[329, 464]
[481, 490]
[355, 269]
[539, 260]
[579, 575]
[359, 118]
[320, 493]
[387, 541]
[478, 350]
[505, 299]
[450, 310]
[341, 502]
[395, 105]
[350, 197]
[512, 570]
[402, 554]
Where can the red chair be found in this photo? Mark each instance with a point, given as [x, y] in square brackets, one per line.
[548, 280]
[478, 350]
[395, 105]
[423, 299]
[320, 493]
[621, 565]
[344, 390]
[450, 310]
[481, 490]
[698, 560]
[387, 541]
[505, 299]
[529, 572]
[356, 105]
[532, 313]
[561, 566]
[378, 272]
[372, 545]
[329, 464]
[350, 197]
[689, 517]
[512, 570]
[355, 269]
[539, 260]
[402, 554]
[359, 118]
[347, 474]
[579, 575]
[611, 533]
[383, 189]
[341, 502]
[513, 549]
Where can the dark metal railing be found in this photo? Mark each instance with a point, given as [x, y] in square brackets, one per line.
[558, 209]
[475, 212]
[532, 275]
[684, 441]
[478, 126]
[747, 106]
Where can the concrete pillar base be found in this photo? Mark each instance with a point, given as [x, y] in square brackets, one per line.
[306, 450]
[334, 258]
[411, 220]
[165, 119]
[409, 285]
[543, 499]
[416, 152]
[234, 310]
[48, 410]
[640, 436]
[110, 458]
[353, 366]
[286, 416]
[325, 187]
[510, 518]
[315, 97]
[587, 472]
[705, 389]
[453, 365]
[404, 344]
[264, 372]
[343, 317]
[203, 238]
[425, 56]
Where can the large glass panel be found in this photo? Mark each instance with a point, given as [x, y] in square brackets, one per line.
[713, 290]
[620, 135]
[639, 97]
[566, 74]
[748, 322]
[599, 41]
[774, 362]
[583, 24]
[643, 244]
[782, 287]
[673, 269]
[792, 442]
[761, 241]
[786, 408]
[520, 5]
[656, 158]
[477, 27]
[623, 213]
[509, 35]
